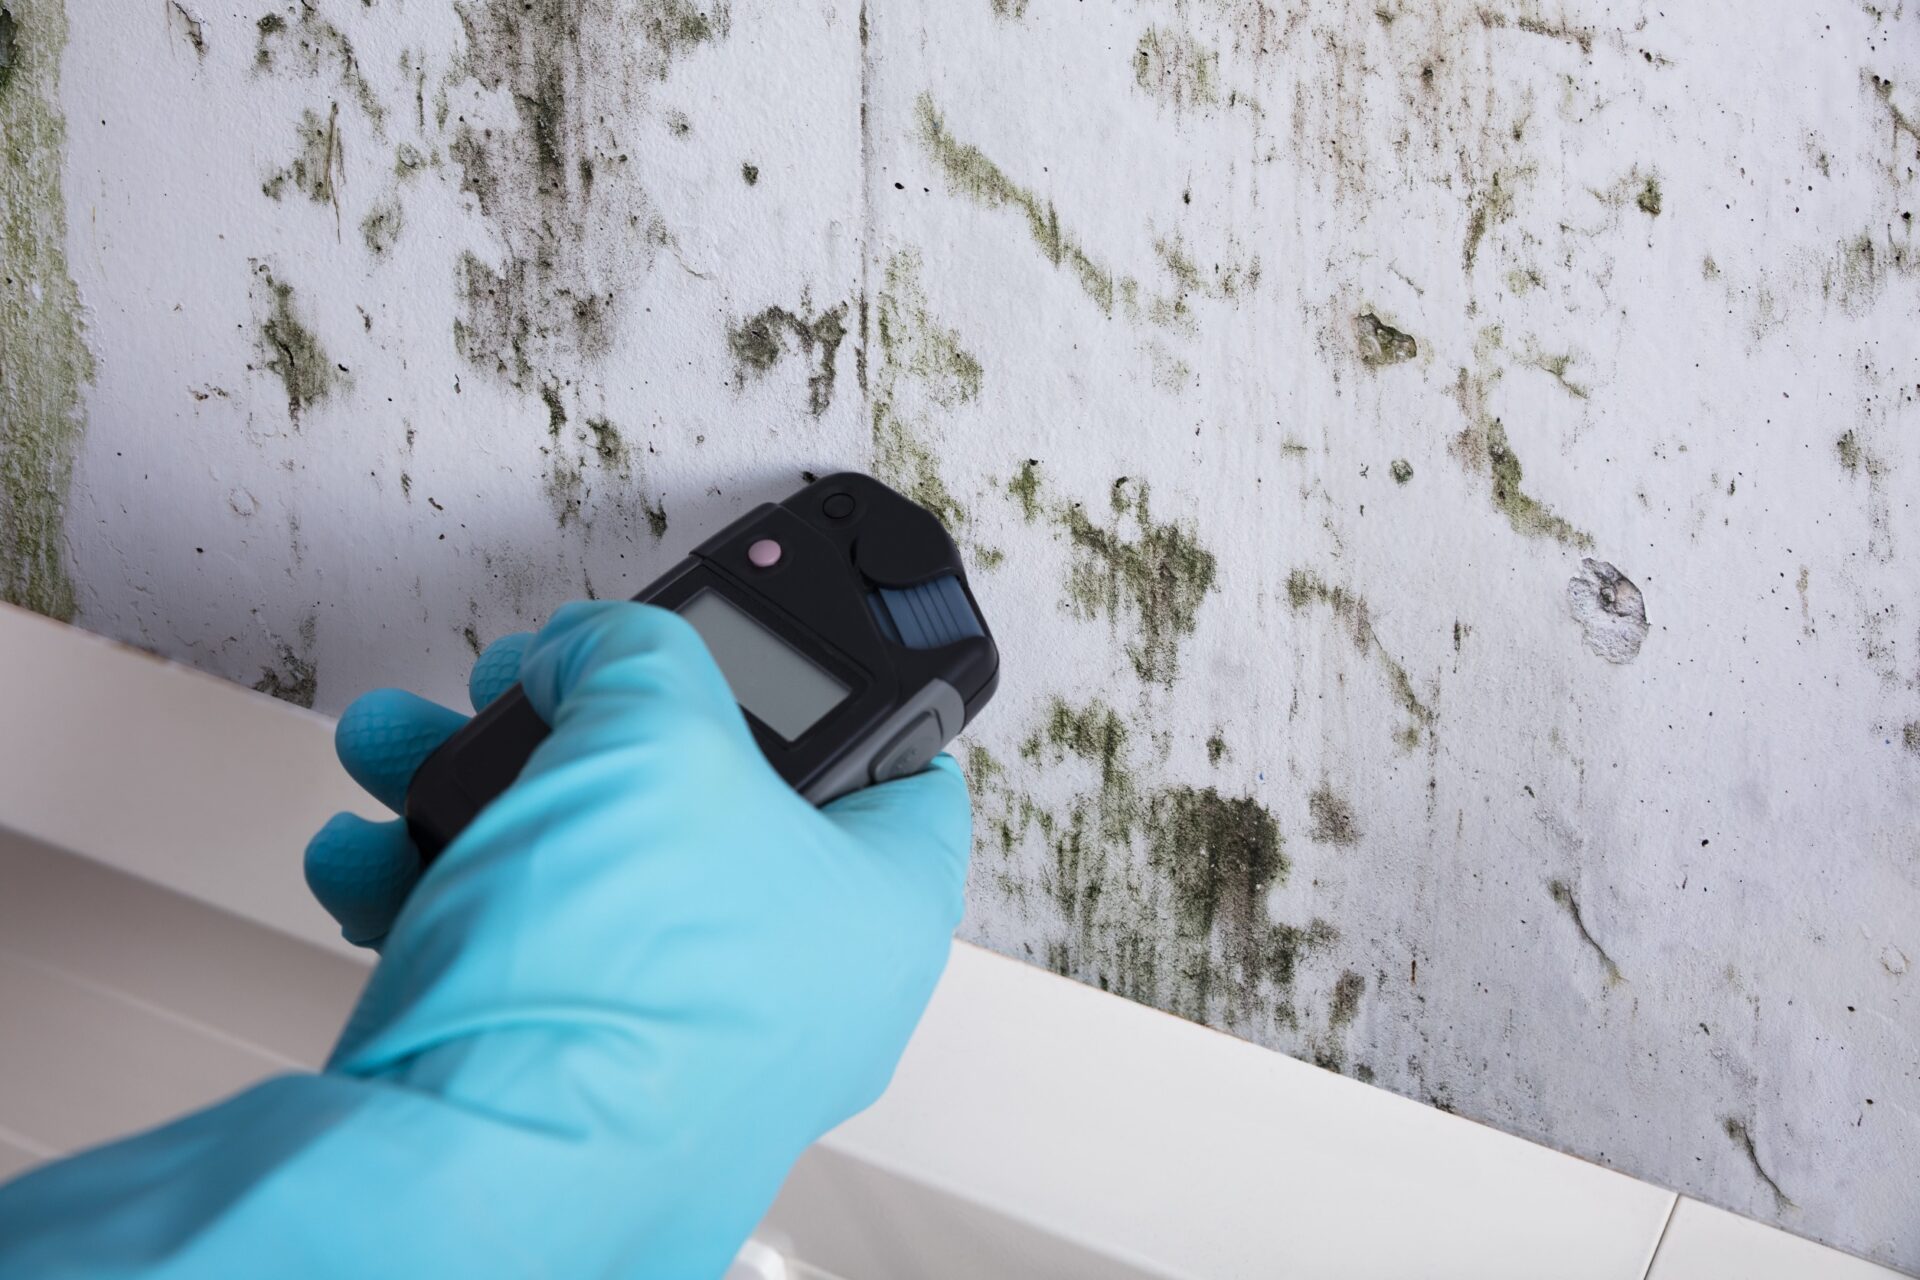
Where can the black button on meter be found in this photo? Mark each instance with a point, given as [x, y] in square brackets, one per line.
[855, 663]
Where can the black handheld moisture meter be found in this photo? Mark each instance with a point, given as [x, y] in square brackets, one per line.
[841, 619]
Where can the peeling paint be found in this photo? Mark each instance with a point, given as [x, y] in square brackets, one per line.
[1380, 343]
[1610, 610]
[41, 335]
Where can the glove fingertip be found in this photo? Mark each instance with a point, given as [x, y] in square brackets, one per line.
[361, 872]
[497, 669]
[383, 737]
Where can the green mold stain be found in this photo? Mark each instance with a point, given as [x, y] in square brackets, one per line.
[1332, 818]
[1025, 489]
[1557, 367]
[1009, 8]
[380, 229]
[1345, 1005]
[1490, 205]
[1176, 70]
[291, 352]
[45, 358]
[759, 342]
[1306, 589]
[1216, 750]
[1524, 512]
[920, 355]
[1162, 887]
[1154, 574]
[1910, 736]
[971, 173]
[1648, 197]
[1380, 343]
[1401, 470]
[317, 162]
[294, 678]
[307, 45]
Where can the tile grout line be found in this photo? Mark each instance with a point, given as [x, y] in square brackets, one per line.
[1653, 1258]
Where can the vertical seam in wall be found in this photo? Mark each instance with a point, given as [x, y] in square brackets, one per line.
[1673, 1204]
[866, 204]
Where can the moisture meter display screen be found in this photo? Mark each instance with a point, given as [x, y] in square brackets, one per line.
[770, 679]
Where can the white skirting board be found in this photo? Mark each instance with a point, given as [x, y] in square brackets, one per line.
[157, 951]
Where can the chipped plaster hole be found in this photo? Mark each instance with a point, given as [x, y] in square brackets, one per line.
[1610, 610]
[1380, 343]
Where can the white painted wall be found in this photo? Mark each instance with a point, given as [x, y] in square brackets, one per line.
[1658, 912]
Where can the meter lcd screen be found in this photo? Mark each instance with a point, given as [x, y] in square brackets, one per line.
[769, 678]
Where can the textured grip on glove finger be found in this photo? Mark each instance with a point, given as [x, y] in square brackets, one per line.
[362, 872]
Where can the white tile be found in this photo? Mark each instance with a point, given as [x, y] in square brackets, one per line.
[173, 775]
[115, 931]
[81, 1064]
[1148, 1139]
[1705, 1243]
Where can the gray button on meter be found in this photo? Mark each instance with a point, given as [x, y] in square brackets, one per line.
[910, 749]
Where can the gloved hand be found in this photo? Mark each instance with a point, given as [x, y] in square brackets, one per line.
[607, 1019]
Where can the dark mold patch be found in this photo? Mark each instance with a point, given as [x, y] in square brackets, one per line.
[970, 173]
[1381, 344]
[41, 335]
[295, 678]
[191, 27]
[575, 231]
[1563, 894]
[1305, 588]
[1401, 470]
[759, 342]
[1345, 1005]
[750, 174]
[309, 44]
[1332, 818]
[9, 47]
[1910, 736]
[289, 350]
[381, 227]
[319, 160]
[1742, 1137]
[1648, 198]
[1489, 205]
[919, 358]
[1004, 9]
[1216, 750]
[1155, 574]
[1163, 889]
[1579, 37]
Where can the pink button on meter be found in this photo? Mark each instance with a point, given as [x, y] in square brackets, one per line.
[764, 554]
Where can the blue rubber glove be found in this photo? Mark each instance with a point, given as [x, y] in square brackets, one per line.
[606, 1020]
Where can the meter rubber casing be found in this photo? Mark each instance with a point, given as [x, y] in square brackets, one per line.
[859, 583]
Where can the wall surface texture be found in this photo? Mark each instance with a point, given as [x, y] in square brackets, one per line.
[1443, 473]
